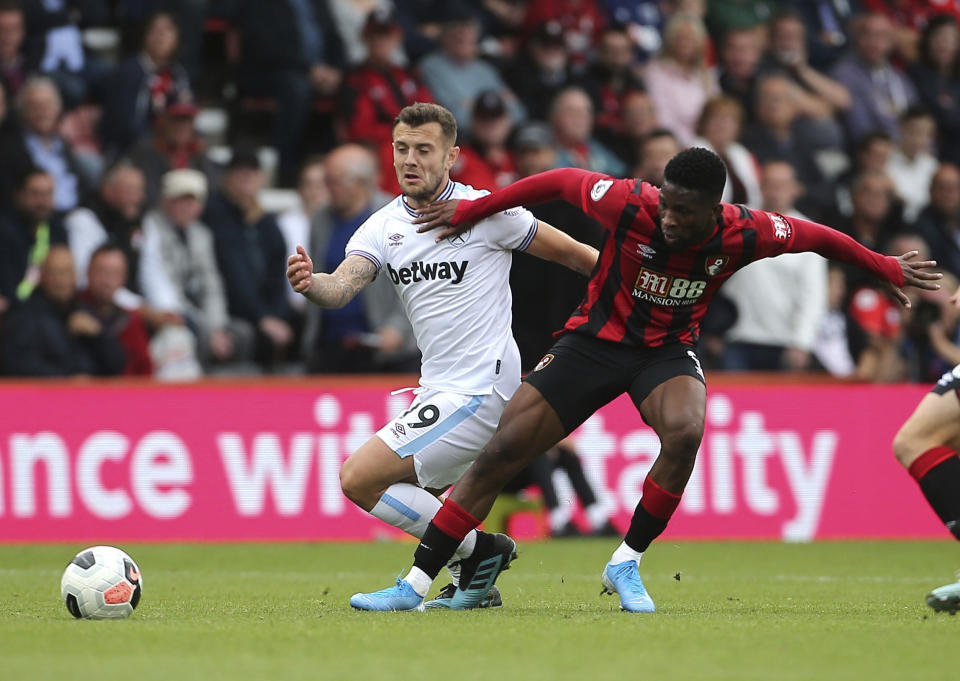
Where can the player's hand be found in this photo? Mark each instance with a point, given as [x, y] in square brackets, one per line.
[440, 214]
[300, 270]
[914, 274]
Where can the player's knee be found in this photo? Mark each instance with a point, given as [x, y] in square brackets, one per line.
[683, 440]
[354, 485]
[904, 447]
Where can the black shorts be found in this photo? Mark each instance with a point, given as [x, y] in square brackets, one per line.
[581, 373]
[948, 383]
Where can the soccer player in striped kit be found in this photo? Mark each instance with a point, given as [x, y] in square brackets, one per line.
[665, 254]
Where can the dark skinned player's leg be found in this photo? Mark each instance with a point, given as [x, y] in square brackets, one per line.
[675, 410]
[528, 427]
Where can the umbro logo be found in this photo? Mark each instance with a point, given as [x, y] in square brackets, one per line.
[395, 239]
[646, 251]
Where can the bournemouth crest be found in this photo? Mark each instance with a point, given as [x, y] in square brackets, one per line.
[543, 362]
[715, 264]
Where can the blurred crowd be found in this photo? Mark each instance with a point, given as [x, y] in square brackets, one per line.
[161, 158]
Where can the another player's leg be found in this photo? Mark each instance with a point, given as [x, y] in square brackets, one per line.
[675, 410]
[528, 427]
[385, 485]
[927, 446]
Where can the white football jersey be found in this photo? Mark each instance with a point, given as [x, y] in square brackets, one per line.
[456, 293]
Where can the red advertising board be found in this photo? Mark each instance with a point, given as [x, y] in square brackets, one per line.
[259, 461]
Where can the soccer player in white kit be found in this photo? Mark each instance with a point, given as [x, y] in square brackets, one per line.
[456, 294]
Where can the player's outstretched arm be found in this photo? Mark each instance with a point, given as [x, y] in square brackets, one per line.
[552, 244]
[895, 271]
[456, 216]
[329, 290]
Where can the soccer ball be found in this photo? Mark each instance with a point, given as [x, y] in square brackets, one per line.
[101, 582]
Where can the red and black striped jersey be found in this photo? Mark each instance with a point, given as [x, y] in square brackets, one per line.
[642, 292]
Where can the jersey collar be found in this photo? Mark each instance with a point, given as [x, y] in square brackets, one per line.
[444, 195]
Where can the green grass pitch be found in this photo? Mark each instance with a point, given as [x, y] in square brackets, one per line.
[739, 611]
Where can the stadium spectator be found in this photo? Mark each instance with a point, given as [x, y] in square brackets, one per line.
[780, 133]
[879, 91]
[305, 62]
[874, 219]
[456, 75]
[911, 165]
[53, 33]
[114, 213]
[679, 80]
[820, 97]
[142, 87]
[251, 257]
[826, 22]
[15, 66]
[37, 142]
[106, 276]
[643, 21]
[582, 22]
[375, 92]
[656, 149]
[49, 335]
[176, 240]
[422, 22]
[637, 119]
[939, 222]
[485, 161]
[781, 302]
[908, 18]
[724, 16]
[719, 129]
[352, 19]
[28, 230]
[740, 53]
[936, 76]
[870, 153]
[541, 70]
[831, 348]
[611, 76]
[294, 223]
[571, 117]
[172, 145]
[371, 333]
[544, 295]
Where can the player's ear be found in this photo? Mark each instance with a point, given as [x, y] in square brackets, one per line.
[452, 155]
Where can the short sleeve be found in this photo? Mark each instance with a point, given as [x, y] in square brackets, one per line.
[603, 198]
[366, 242]
[775, 233]
[511, 230]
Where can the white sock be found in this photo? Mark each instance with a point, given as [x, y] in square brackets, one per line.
[407, 507]
[466, 546]
[559, 517]
[597, 515]
[419, 580]
[625, 553]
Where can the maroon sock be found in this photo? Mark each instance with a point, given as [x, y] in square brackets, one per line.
[442, 537]
[651, 515]
[937, 471]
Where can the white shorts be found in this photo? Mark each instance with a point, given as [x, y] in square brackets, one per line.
[444, 433]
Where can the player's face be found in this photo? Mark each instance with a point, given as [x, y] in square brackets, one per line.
[422, 159]
[686, 216]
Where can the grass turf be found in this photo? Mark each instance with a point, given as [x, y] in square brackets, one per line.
[830, 611]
